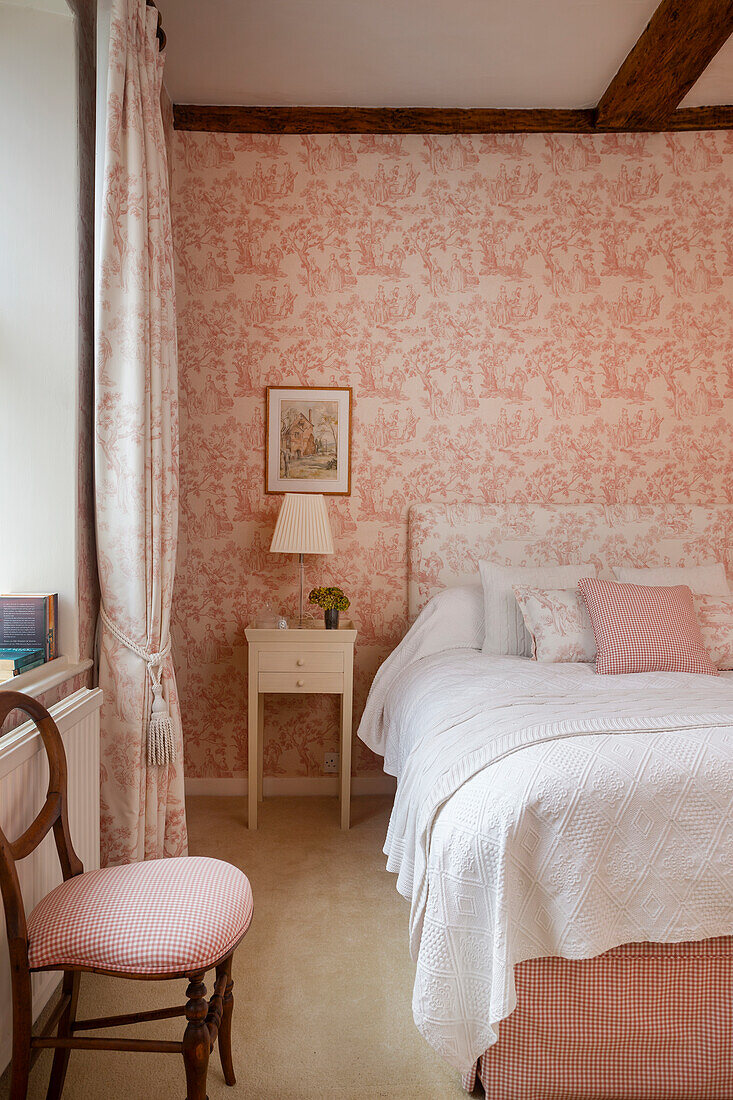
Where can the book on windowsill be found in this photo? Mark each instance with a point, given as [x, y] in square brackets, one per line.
[30, 621]
[15, 661]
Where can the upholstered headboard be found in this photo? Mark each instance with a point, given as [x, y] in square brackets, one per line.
[446, 541]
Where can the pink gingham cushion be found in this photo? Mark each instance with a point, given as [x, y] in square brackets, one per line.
[644, 628]
[158, 917]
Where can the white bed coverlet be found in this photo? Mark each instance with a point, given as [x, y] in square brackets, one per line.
[543, 810]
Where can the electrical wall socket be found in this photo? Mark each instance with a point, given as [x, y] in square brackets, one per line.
[331, 762]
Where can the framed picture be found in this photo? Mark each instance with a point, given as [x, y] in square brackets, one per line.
[308, 432]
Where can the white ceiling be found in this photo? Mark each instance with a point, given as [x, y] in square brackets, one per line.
[716, 83]
[55, 7]
[420, 53]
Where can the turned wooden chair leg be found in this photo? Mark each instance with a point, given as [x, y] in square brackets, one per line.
[225, 1028]
[70, 988]
[196, 1039]
[21, 1063]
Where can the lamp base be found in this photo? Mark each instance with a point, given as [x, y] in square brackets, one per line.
[302, 578]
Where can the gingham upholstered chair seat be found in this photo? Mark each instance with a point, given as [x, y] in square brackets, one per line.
[163, 916]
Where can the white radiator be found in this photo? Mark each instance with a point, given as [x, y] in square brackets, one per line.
[23, 781]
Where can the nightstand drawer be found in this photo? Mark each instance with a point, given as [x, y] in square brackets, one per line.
[296, 682]
[306, 660]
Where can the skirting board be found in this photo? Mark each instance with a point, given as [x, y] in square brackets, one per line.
[284, 787]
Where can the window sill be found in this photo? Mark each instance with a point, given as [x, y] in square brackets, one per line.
[50, 675]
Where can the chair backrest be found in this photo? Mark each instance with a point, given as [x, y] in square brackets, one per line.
[52, 815]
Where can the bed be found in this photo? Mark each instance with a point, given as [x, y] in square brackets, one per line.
[565, 840]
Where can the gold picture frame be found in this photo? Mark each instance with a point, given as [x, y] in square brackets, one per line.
[308, 439]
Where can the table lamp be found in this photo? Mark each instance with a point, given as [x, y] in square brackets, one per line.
[302, 528]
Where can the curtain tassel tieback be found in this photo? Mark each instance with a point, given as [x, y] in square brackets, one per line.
[161, 743]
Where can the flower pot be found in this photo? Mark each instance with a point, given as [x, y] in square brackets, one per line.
[331, 616]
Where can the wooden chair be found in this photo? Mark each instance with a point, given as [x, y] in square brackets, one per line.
[167, 918]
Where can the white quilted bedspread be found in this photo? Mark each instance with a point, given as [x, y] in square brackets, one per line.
[543, 810]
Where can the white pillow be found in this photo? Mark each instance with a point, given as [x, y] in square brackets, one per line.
[558, 622]
[465, 603]
[707, 580]
[455, 616]
[505, 629]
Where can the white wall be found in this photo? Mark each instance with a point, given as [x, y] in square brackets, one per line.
[39, 299]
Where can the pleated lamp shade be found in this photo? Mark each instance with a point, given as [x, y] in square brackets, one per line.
[302, 526]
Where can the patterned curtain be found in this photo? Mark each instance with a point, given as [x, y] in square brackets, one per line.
[136, 463]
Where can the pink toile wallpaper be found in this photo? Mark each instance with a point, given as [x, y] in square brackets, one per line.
[526, 318]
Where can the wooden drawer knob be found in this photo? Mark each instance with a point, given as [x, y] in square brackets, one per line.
[299, 683]
[300, 662]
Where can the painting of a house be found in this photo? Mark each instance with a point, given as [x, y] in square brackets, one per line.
[308, 432]
[308, 440]
[297, 437]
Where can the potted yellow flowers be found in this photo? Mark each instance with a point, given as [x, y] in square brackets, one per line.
[332, 600]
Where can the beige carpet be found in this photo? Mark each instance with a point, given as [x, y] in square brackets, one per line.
[323, 979]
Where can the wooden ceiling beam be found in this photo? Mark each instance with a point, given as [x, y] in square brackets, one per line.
[678, 44]
[377, 120]
[422, 120]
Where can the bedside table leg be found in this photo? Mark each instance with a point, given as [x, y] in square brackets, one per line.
[253, 755]
[346, 733]
[261, 745]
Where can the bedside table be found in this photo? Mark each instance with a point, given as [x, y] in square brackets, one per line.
[301, 661]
